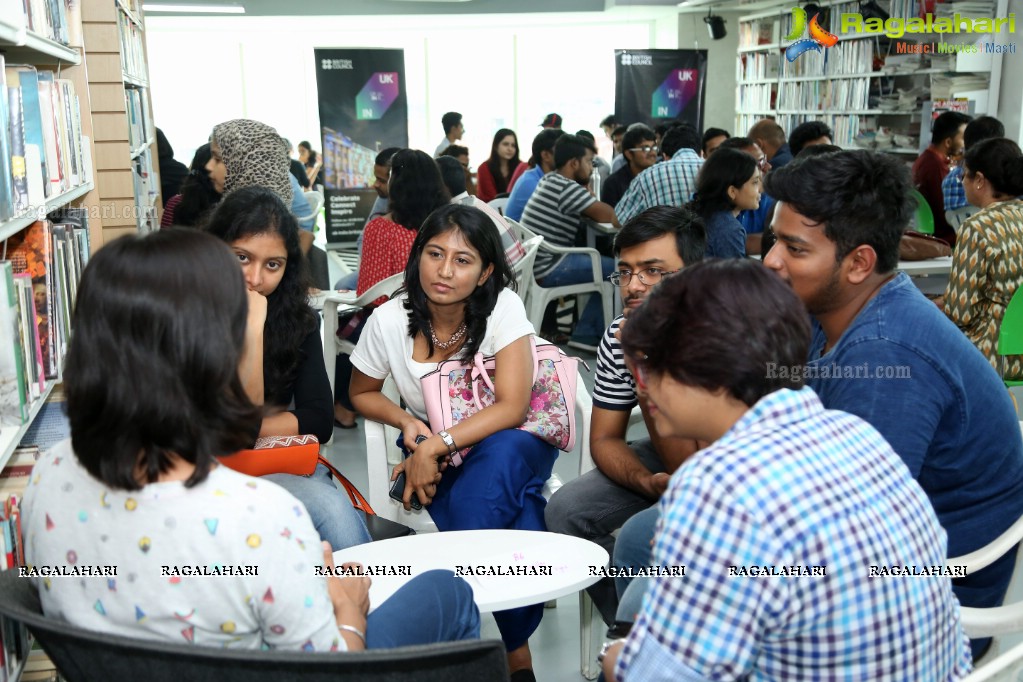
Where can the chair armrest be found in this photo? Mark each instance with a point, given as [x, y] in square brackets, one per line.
[991, 622]
[994, 550]
[584, 408]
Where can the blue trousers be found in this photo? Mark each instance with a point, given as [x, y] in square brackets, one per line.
[332, 513]
[633, 549]
[433, 607]
[499, 485]
[576, 268]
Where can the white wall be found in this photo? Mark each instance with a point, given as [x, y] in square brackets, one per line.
[719, 101]
[1010, 97]
[497, 70]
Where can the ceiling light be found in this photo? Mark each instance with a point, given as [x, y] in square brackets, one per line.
[194, 9]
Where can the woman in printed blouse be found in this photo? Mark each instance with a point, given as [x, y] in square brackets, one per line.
[987, 264]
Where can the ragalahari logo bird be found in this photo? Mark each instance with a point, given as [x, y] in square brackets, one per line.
[818, 36]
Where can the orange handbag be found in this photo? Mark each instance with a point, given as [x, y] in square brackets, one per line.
[297, 455]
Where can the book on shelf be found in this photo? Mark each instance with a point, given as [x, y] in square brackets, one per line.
[15, 398]
[27, 79]
[51, 425]
[31, 251]
[19, 177]
[31, 350]
[47, 18]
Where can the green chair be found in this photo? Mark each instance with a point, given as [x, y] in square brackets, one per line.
[1010, 334]
[924, 218]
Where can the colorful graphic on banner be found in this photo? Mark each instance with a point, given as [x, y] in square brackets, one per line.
[363, 110]
[671, 81]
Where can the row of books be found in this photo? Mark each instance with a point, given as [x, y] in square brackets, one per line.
[848, 57]
[757, 66]
[41, 152]
[138, 123]
[755, 97]
[845, 127]
[38, 286]
[52, 19]
[847, 94]
[147, 188]
[133, 56]
[14, 637]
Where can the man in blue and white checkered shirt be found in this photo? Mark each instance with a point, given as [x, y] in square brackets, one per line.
[810, 552]
[669, 183]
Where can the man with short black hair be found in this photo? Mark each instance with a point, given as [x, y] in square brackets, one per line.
[555, 211]
[640, 151]
[453, 131]
[608, 125]
[617, 135]
[931, 167]
[771, 138]
[712, 139]
[882, 351]
[977, 130]
[809, 133]
[670, 183]
[540, 164]
[629, 477]
[461, 154]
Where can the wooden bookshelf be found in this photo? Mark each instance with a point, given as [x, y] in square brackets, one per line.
[115, 55]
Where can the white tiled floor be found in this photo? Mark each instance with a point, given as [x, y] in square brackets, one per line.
[555, 645]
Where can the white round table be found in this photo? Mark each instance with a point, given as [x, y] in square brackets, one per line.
[536, 566]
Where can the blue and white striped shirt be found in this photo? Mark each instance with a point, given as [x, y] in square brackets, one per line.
[793, 485]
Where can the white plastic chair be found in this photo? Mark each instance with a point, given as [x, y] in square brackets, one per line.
[539, 296]
[1003, 623]
[498, 204]
[1005, 668]
[525, 265]
[315, 200]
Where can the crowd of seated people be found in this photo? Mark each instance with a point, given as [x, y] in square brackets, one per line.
[812, 410]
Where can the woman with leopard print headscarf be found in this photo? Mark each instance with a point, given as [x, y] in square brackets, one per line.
[247, 153]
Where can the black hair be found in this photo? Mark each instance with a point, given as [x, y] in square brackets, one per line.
[311, 161]
[739, 143]
[570, 147]
[163, 146]
[818, 150]
[860, 197]
[455, 150]
[450, 120]
[453, 174]
[384, 157]
[709, 134]
[690, 325]
[635, 135]
[807, 131]
[947, 125]
[688, 228]
[198, 196]
[620, 130]
[1001, 162]
[544, 142]
[480, 232]
[982, 128]
[415, 189]
[495, 162]
[253, 211]
[152, 365]
[729, 168]
[680, 136]
[609, 122]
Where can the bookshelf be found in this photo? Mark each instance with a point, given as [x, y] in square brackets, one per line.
[861, 86]
[127, 169]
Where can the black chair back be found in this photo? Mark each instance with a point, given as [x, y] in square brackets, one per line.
[85, 656]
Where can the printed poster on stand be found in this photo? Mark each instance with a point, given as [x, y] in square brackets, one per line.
[658, 86]
[363, 110]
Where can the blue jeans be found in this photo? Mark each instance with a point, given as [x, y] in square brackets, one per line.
[333, 515]
[500, 485]
[633, 549]
[433, 607]
[576, 268]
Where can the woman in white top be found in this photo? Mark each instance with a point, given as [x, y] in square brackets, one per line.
[457, 301]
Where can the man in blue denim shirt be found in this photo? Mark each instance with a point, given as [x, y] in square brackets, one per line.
[882, 351]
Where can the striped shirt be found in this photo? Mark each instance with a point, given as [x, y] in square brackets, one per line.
[553, 211]
[669, 183]
[613, 388]
[793, 486]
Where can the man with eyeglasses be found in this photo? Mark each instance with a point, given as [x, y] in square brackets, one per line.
[640, 151]
[629, 477]
[670, 183]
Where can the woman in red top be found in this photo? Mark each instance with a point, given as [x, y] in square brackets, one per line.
[494, 176]
[415, 189]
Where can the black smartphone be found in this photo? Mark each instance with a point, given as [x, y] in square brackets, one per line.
[398, 486]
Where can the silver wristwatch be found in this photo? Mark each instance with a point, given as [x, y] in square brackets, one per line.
[448, 440]
[607, 645]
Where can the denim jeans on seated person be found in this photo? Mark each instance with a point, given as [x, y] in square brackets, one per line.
[633, 549]
[332, 513]
[435, 606]
[576, 268]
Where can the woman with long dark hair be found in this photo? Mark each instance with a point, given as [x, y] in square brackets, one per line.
[494, 176]
[312, 162]
[282, 366]
[138, 486]
[197, 195]
[456, 301]
[727, 184]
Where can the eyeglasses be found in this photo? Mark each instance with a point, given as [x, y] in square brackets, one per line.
[649, 277]
[646, 149]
